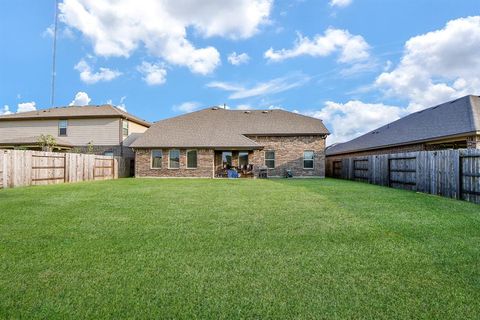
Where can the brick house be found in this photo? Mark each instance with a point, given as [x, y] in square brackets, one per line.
[451, 125]
[204, 143]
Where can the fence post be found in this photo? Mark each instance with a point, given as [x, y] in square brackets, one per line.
[456, 174]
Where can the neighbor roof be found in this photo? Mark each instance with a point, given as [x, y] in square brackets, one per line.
[454, 118]
[32, 141]
[103, 111]
[221, 128]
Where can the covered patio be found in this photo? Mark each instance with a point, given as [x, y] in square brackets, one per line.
[239, 161]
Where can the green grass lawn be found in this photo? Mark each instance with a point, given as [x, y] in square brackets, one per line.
[140, 248]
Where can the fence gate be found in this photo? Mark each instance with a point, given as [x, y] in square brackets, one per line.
[402, 173]
[104, 169]
[48, 169]
[360, 170]
[470, 177]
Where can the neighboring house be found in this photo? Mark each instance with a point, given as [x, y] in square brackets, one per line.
[451, 125]
[104, 129]
[206, 142]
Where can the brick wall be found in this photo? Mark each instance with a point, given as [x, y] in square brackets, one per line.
[289, 155]
[204, 165]
[473, 142]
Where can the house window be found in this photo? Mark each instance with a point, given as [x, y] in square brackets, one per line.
[308, 159]
[174, 159]
[227, 159]
[191, 159]
[62, 127]
[243, 159]
[125, 128]
[108, 153]
[270, 159]
[157, 157]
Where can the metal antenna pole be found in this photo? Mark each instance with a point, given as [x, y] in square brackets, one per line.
[54, 54]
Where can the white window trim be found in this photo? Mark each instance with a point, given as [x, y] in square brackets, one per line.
[186, 159]
[313, 160]
[66, 128]
[274, 158]
[179, 156]
[151, 159]
[127, 127]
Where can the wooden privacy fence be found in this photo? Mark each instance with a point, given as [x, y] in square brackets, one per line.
[449, 173]
[27, 168]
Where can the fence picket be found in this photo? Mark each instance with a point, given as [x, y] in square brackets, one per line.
[448, 173]
[25, 168]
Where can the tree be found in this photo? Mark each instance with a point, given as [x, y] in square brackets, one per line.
[90, 147]
[47, 142]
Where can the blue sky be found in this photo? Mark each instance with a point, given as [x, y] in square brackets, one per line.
[356, 64]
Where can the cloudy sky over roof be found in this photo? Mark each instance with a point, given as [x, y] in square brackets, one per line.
[356, 64]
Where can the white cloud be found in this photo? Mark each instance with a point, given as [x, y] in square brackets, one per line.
[81, 99]
[340, 3]
[122, 105]
[61, 32]
[355, 69]
[238, 59]
[352, 48]
[153, 74]
[26, 106]
[354, 118]
[90, 77]
[188, 106]
[260, 89]
[5, 110]
[244, 107]
[119, 27]
[437, 66]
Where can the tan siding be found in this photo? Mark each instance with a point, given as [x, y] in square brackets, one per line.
[136, 128]
[80, 131]
[132, 128]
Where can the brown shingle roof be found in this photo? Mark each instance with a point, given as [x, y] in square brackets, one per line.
[103, 111]
[220, 128]
[454, 118]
